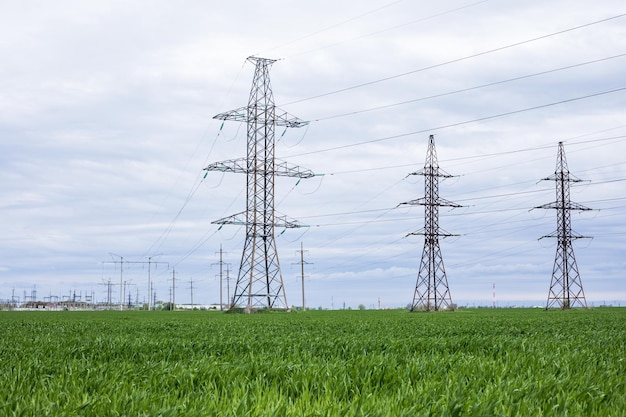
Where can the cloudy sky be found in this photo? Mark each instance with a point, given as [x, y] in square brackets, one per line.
[106, 124]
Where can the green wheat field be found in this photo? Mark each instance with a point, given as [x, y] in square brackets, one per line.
[472, 362]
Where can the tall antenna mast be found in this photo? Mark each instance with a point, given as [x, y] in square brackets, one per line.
[566, 288]
[431, 290]
[260, 282]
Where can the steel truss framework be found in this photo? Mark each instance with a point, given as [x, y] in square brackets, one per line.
[566, 288]
[259, 282]
[431, 291]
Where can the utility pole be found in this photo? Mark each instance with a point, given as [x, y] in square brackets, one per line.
[221, 289]
[173, 289]
[302, 263]
[566, 288]
[150, 262]
[191, 288]
[109, 290]
[260, 283]
[149, 282]
[221, 264]
[431, 290]
[228, 286]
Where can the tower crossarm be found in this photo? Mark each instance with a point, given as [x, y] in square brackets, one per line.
[434, 172]
[441, 202]
[238, 115]
[239, 219]
[231, 165]
[285, 119]
[564, 206]
[252, 114]
[287, 223]
[572, 235]
[565, 176]
[440, 233]
[285, 169]
[280, 168]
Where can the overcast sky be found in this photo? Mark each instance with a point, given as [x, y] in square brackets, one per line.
[106, 125]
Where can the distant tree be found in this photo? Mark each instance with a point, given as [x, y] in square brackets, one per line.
[361, 307]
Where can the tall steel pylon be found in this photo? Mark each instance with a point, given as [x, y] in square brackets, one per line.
[566, 288]
[431, 291]
[260, 282]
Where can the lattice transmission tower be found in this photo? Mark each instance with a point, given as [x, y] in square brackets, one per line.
[566, 288]
[431, 291]
[260, 283]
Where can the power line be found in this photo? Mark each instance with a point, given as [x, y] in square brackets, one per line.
[463, 90]
[469, 199]
[335, 25]
[500, 223]
[480, 119]
[457, 59]
[412, 22]
[480, 156]
[197, 182]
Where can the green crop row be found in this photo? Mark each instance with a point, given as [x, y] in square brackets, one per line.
[318, 363]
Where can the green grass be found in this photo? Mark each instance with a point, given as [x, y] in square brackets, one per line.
[526, 362]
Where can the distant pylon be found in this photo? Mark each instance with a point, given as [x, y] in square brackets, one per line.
[566, 288]
[431, 291]
[260, 282]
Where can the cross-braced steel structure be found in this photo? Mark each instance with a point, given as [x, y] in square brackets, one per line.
[260, 283]
[432, 291]
[566, 288]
